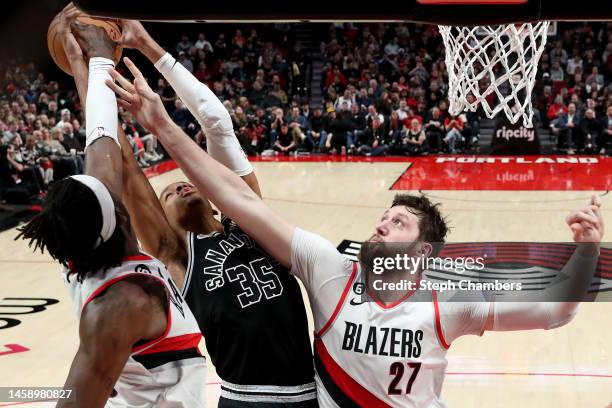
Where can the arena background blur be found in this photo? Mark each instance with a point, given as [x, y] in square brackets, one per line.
[311, 183]
[378, 88]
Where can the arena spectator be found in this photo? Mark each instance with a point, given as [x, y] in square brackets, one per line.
[395, 130]
[166, 94]
[10, 191]
[297, 124]
[434, 130]
[185, 61]
[285, 142]
[415, 140]
[253, 138]
[203, 44]
[184, 46]
[591, 129]
[374, 141]
[25, 176]
[556, 72]
[337, 130]
[316, 134]
[566, 127]
[182, 117]
[11, 133]
[454, 128]
[33, 156]
[70, 142]
[606, 142]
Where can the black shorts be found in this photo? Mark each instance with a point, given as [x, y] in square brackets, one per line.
[230, 403]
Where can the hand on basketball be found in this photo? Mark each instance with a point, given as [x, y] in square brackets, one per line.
[587, 223]
[138, 98]
[66, 18]
[133, 34]
[94, 41]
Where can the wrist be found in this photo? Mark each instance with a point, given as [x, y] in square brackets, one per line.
[102, 49]
[163, 127]
[588, 249]
[150, 49]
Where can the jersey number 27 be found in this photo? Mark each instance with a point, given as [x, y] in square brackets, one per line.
[397, 370]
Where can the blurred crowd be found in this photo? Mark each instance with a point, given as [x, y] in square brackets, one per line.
[383, 93]
[42, 135]
[573, 95]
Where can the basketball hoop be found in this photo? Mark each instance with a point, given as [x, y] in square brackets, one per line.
[497, 65]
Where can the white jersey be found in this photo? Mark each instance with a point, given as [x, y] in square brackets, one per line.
[166, 372]
[372, 355]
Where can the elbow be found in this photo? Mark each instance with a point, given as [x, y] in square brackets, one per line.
[561, 314]
[211, 108]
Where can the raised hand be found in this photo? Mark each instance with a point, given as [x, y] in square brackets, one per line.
[133, 34]
[94, 41]
[66, 18]
[138, 98]
[587, 223]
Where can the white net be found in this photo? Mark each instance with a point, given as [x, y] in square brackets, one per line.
[494, 67]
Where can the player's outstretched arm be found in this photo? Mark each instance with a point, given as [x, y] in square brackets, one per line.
[146, 214]
[574, 280]
[214, 119]
[110, 326]
[103, 156]
[228, 191]
[73, 51]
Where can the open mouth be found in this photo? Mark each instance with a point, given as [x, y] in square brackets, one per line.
[187, 191]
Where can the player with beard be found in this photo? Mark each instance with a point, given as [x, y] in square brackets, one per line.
[386, 352]
[249, 308]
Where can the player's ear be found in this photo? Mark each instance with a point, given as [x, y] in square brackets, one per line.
[426, 250]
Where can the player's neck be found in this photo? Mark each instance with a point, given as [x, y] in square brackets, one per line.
[205, 225]
[391, 288]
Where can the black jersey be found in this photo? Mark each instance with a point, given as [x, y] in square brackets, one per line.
[250, 311]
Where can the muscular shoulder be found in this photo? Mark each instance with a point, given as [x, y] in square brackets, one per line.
[315, 260]
[135, 306]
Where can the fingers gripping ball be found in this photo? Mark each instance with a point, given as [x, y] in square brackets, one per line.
[56, 46]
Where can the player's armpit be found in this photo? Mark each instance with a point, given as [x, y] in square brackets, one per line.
[110, 326]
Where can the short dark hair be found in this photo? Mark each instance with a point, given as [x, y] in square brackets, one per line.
[432, 226]
[69, 226]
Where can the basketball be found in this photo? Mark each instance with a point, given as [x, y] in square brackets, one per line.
[56, 48]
